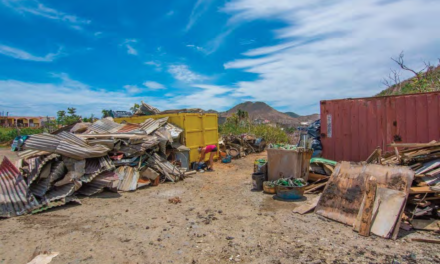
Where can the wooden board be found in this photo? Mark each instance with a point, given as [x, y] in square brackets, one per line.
[425, 189]
[308, 206]
[431, 225]
[342, 197]
[433, 241]
[387, 211]
[316, 177]
[367, 211]
[316, 187]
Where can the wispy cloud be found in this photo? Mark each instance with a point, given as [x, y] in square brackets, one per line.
[23, 55]
[128, 44]
[154, 85]
[62, 92]
[182, 73]
[34, 7]
[196, 48]
[132, 89]
[207, 97]
[198, 10]
[331, 49]
[170, 13]
[156, 64]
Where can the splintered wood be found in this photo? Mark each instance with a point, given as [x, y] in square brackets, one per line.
[343, 195]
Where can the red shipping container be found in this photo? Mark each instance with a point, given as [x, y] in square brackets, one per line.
[351, 129]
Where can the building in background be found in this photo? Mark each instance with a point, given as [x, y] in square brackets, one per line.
[24, 121]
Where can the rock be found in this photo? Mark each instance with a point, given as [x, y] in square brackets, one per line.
[229, 238]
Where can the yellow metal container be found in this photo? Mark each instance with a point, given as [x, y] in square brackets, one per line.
[198, 129]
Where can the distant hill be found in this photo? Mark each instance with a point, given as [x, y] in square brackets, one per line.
[260, 110]
[292, 114]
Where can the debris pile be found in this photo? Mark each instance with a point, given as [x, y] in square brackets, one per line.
[319, 173]
[241, 146]
[399, 190]
[88, 159]
[424, 199]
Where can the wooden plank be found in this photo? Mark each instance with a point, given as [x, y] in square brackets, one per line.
[308, 206]
[318, 186]
[414, 145]
[367, 214]
[430, 225]
[433, 241]
[425, 189]
[317, 177]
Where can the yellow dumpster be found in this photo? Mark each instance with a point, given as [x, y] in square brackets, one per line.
[198, 129]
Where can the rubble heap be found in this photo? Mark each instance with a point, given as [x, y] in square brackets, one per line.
[86, 160]
[241, 146]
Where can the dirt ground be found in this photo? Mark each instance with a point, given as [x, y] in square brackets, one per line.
[218, 221]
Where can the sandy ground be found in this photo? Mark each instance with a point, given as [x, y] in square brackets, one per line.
[219, 221]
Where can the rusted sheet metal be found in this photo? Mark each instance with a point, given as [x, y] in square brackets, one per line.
[128, 128]
[15, 197]
[351, 129]
[288, 163]
[107, 179]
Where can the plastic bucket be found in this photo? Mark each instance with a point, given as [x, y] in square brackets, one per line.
[290, 193]
[257, 181]
[268, 189]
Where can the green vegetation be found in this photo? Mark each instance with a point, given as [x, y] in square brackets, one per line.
[292, 114]
[8, 134]
[67, 119]
[240, 124]
[425, 80]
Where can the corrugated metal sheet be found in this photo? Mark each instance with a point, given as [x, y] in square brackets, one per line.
[107, 179]
[15, 197]
[42, 185]
[128, 128]
[149, 126]
[96, 166]
[60, 192]
[352, 128]
[105, 126]
[36, 165]
[65, 144]
[60, 202]
[128, 178]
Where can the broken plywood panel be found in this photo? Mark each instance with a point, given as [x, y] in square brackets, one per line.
[342, 197]
[308, 206]
[431, 225]
[387, 212]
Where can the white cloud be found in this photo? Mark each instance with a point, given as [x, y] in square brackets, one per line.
[153, 85]
[332, 49]
[47, 98]
[198, 10]
[196, 48]
[23, 55]
[132, 89]
[61, 92]
[207, 97]
[36, 8]
[156, 64]
[170, 13]
[182, 73]
[129, 46]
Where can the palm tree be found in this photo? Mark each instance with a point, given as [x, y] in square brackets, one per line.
[71, 111]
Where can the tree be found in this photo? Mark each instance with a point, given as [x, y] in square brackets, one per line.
[71, 111]
[105, 113]
[134, 108]
[425, 80]
[61, 116]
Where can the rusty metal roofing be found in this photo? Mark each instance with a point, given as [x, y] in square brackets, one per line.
[42, 185]
[149, 125]
[60, 192]
[105, 126]
[128, 128]
[351, 129]
[96, 166]
[15, 197]
[128, 178]
[65, 144]
[107, 179]
[56, 203]
[35, 165]
[174, 130]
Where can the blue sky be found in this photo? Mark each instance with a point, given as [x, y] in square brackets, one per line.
[212, 54]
